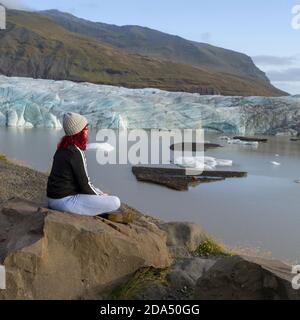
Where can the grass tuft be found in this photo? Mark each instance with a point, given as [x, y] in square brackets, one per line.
[3, 157]
[211, 247]
[140, 279]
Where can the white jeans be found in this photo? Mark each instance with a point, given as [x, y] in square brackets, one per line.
[86, 204]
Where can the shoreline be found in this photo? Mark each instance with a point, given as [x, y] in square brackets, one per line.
[186, 243]
[178, 260]
[26, 173]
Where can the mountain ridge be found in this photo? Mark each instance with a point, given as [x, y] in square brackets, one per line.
[160, 44]
[34, 45]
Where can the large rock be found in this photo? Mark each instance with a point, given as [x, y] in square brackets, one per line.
[183, 237]
[240, 278]
[176, 282]
[185, 273]
[54, 255]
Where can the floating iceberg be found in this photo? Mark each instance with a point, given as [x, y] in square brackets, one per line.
[224, 138]
[100, 146]
[241, 142]
[224, 163]
[202, 163]
[26, 102]
[275, 163]
[238, 141]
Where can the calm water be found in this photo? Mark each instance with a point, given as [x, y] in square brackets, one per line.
[260, 211]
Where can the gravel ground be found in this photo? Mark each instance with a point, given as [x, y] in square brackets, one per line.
[22, 182]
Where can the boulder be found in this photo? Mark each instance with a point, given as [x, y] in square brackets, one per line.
[176, 282]
[243, 277]
[55, 255]
[185, 272]
[183, 238]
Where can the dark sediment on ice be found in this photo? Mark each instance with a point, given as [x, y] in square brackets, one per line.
[176, 178]
[250, 139]
[188, 146]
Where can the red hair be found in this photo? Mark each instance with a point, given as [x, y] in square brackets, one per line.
[79, 139]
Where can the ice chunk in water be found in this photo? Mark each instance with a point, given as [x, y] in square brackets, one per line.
[240, 142]
[224, 138]
[202, 163]
[275, 163]
[102, 146]
[224, 163]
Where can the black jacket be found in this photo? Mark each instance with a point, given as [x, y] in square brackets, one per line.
[69, 174]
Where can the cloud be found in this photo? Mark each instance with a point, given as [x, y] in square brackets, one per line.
[291, 75]
[290, 87]
[14, 4]
[284, 72]
[275, 60]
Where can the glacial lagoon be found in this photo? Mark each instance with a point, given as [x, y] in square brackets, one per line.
[260, 213]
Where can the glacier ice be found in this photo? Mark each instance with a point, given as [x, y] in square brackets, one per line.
[275, 163]
[26, 102]
[241, 142]
[106, 147]
[224, 138]
[201, 163]
[224, 163]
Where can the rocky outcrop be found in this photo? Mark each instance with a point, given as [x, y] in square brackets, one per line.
[54, 255]
[209, 276]
[213, 278]
[247, 278]
[176, 283]
[183, 237]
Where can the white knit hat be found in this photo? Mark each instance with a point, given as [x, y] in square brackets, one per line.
[73, 123]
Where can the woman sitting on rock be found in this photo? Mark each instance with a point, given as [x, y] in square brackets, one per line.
[69, 188]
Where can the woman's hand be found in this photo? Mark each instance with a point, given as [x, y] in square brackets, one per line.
[101, 193]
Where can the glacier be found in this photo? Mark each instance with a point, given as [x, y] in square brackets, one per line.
[26, 102]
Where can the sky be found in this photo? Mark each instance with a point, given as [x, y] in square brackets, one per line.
[262, 29]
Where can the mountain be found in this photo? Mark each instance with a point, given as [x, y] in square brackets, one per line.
[34, 45]
[160, 45]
